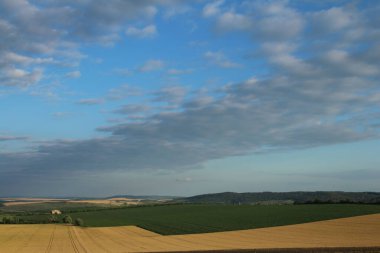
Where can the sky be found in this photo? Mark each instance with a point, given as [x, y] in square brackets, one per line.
[181, 98]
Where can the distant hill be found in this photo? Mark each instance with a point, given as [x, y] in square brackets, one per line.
[145, 197]
[285, 197]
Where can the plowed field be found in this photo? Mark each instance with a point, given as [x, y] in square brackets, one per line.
[356, 232]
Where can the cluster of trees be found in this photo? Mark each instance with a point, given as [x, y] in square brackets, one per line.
[66, 219]
[13, 220]
[52, 219]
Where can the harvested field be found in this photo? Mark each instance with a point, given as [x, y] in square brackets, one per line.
[110, 201]
[357, 234]
[28, 201]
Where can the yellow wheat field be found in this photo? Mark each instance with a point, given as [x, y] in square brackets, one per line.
[361, 231]
[109, 201]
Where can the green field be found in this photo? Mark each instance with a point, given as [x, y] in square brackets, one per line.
[185, 219]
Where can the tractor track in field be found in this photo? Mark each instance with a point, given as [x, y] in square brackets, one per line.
[95, 241]
[79, 243]
[72, 241]
[51, 239]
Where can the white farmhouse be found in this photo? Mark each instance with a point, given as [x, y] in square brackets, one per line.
[56, 212]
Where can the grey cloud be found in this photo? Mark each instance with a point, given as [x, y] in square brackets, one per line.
[173, 95]
[91, 101]
[12, 138]
[333, 20]
[123, 91]
[271, 20]
[132, 109]
[255, 116]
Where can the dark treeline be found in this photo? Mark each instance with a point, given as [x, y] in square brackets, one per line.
[53, 219]
[319, 197]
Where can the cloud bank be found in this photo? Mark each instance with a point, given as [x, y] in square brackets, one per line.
[321, 87]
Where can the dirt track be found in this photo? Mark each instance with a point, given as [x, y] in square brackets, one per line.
[358, 234]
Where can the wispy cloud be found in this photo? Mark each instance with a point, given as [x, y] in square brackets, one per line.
[144, 32]
[13, 138]
[212, 9]
[73, 74]
[91, 101]
[61, 114]
[122, 92]
[152, 65]
[174, 71]
[219, 59]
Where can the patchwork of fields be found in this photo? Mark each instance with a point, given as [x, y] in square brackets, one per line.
[361, 231]
[190, 219]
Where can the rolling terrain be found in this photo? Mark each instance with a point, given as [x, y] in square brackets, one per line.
[188, 219]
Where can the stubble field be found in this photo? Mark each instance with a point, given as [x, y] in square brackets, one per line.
[356, 234]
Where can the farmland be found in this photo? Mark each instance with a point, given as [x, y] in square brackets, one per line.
[357, 234]
[188, 219]
[46, 204]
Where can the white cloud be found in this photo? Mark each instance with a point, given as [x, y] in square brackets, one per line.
[123, 71]
[219, 59]
[11, 76]
[14, 58]
[73, 74]
[152, 65]
[179, 71]
[212, 9]
[231, 21]
[145, 32]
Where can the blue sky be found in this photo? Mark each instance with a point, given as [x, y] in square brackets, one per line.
[188, 97]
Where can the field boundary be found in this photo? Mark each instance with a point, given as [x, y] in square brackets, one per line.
[287, 250]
